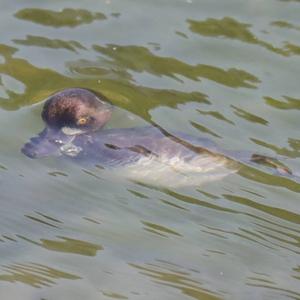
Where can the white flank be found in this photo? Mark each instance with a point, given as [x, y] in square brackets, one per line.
[176, 172]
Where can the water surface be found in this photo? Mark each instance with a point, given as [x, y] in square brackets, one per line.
[228, 71]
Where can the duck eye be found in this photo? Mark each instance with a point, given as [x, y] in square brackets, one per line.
[82, 121]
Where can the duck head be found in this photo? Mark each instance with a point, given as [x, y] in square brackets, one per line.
[67, 114]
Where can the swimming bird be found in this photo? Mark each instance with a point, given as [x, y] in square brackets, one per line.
[74, 129]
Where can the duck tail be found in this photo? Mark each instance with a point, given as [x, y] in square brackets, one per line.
[271, 162]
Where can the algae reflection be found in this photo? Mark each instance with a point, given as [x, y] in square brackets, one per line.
[141, 59]
[232, 29]
[67, 245]
[68, 17]
[34, 274]
[122, 93]
[39, 41]
[173, 276]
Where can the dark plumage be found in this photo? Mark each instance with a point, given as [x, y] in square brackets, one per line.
[74, 119]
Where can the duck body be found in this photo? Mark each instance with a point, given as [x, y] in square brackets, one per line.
[123, 146]
[146, 154]
[75, 118]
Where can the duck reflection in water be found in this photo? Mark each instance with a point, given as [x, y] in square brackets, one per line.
[75, 118]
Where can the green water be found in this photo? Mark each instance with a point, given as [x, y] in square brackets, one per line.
[226, 70]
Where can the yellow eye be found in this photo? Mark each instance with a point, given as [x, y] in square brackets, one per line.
[82, 121]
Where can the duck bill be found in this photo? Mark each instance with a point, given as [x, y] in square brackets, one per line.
[46, 143]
